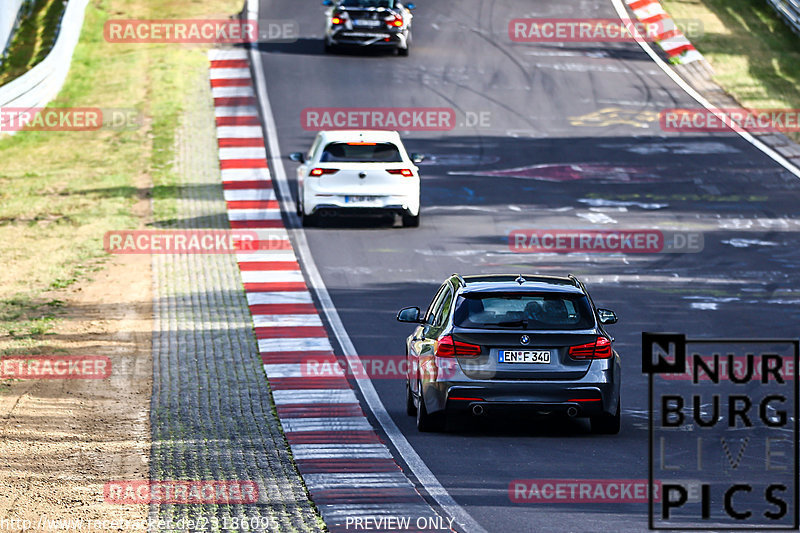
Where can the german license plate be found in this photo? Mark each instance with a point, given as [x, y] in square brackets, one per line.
[524, 356]
[366, 23]
[359, 199]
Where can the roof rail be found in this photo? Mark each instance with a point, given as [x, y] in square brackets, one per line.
[460, 278]
[575, 280]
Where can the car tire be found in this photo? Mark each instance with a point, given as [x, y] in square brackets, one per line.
[403, 52]
[310, 221]
[606, 424]
[410, 221]
[329, 48]
[426, 422]
[411, 408]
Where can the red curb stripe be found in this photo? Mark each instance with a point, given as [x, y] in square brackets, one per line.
[319, 410]
[642, 3]
[283, 309]
[273, 266]
[291, 332]
[243, 163]
[334, 437]
[308, 383]
[668, 34]
[253, 184]
[232, 101]
[243, 120]
[655, 18]
[282, 286]
[320, 466]
[253, 204]
[231, 82]
[679, 50]
[365, 495]
[255, 224]
[276, 358]
[230, 63]
[254, 142]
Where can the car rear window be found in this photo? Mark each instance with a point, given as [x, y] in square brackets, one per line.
[368, 3]
[524, 311]
[360, 153]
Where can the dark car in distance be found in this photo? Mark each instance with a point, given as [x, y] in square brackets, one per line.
[368, 23]
[535, 344]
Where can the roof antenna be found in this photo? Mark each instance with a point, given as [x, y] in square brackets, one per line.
[520, 279]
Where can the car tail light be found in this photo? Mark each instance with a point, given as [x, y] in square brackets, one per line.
[394, 21]
[402, 171]
[447, 347]
[337, 20]
[316, 172]
[599, 349]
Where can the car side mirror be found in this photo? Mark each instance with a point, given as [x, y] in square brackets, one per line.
[607, 316]
[297, 156]
[411, 6]
[409, 314]
[327, 3]
[417, 158]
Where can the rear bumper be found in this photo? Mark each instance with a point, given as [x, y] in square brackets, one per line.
[360, 38]
[597, 392]
[316, 200]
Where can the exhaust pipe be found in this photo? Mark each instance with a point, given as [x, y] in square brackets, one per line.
[572, 411]
[477, 410]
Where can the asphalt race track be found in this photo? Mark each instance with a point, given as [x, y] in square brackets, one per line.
[576, 121]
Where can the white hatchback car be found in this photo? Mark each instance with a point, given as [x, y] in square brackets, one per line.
[360, 172]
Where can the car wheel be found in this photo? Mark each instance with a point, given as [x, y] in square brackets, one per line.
[606, 424]
[309, 221]
[329, 48]
[403, 52]
[410, 221]
[411, 408]
[427, 422]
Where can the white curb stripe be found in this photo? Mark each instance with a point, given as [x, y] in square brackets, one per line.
[238, 132]
[283, 321]
[250, 152]
[254, 214]
[271, 276]
[219, 54]
[235, 111]
[337, 480]
[299, 297]
[284, 371]
[334, 451]
[314, 396]
[301, 344]
[332, 423]
[232, 195]
[245, 174]
[228, 73]
[232, 90]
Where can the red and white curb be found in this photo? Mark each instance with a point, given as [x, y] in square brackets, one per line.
[349, 472]
[671, 39]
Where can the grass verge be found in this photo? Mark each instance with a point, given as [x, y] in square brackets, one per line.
[756, 57]
[61, 191]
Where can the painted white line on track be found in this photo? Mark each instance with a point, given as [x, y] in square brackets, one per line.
[298, 344]
[309, 396]
[769, 152]
[415, 463]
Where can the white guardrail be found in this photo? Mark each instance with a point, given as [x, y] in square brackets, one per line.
[789, 11]
[41, 84]
[8, 18]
